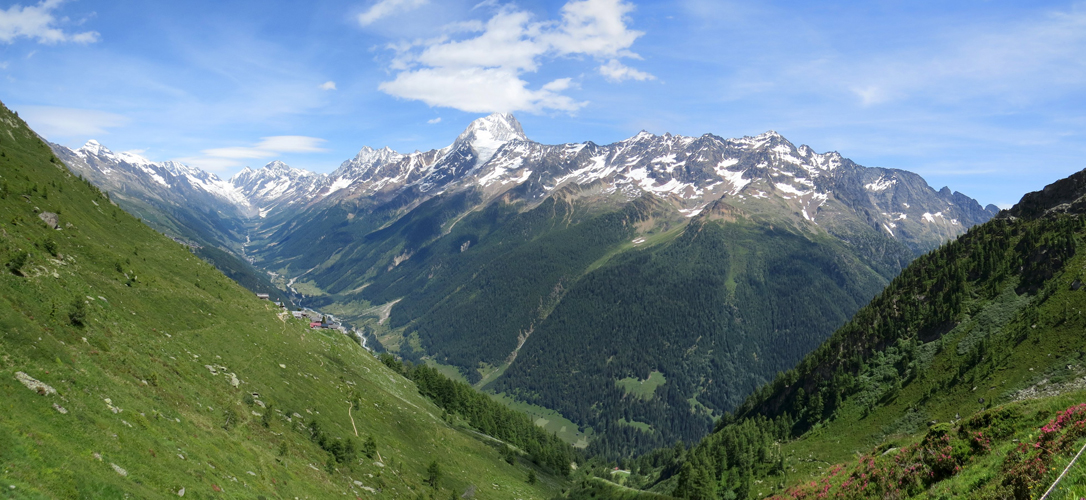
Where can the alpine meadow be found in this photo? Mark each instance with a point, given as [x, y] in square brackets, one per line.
[546, 249]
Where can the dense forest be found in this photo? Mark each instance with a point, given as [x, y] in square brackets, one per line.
[981, 310]
[718, 311]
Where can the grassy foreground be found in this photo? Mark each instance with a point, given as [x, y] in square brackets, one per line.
[131, 368]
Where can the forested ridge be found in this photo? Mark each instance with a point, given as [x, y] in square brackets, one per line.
[460, 400]
[957, 339]
[717, 311]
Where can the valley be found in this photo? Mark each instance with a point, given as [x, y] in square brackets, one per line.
[551, 273]
[542, 250]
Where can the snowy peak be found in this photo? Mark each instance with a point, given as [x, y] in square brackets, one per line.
[366, 160]
[641, 136]
[273, 170]
[277, 167]
[95, 149]
[486, 135]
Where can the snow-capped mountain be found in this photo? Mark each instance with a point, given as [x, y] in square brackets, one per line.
[718, 251]
[763, 173]
[130, 174]
[276, 185]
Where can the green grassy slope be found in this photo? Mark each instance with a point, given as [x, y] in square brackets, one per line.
[122, 323]
[950, 383]
[520, 298]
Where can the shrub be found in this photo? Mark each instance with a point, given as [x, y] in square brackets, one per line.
[77, 315]
[17, 261]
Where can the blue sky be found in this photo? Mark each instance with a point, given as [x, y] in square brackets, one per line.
[986, 97]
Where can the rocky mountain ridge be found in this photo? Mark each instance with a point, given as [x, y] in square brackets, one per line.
[760, 173]
[516, 263]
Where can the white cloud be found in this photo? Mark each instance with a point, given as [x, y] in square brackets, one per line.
[385, 8]
[38, 22]
[270, 146]
[329, 85]
[482, 71]
[476, 90]
[617, 72]
[230, 158]
[56, 123]
[595, 27]
[434, 121]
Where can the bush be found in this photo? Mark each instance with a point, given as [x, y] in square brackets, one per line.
[16, 262]
[50, 246]
[77, 314]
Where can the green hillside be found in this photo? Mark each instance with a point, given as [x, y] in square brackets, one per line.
[129, 367]
[964, 378]
[556, 303]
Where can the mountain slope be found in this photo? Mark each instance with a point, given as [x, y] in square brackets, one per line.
[129, 367]
[518, 264]
[188, 204]
[963, 378]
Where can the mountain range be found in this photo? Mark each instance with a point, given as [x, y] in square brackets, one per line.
[640, 288]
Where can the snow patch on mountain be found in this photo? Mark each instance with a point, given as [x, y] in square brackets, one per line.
[882, 184]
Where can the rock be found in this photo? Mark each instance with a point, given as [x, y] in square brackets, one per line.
[234, 380]
[122, 472]
[60, 409]
[34, 384]
[50, 218]
[112, 408]
[181, 492]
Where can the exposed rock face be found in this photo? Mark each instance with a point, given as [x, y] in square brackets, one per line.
[1067, 195]
[50, 218]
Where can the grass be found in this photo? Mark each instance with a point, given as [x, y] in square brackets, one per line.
[549, 420]
[1047, 358]
[635, 424]
[308, 288]
[449, 371]
[155, 315]
[644, 389]
[643, 241]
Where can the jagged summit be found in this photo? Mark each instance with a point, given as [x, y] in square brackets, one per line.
[277, 166]
[641, 136]
[485, 135]
[96, 149]
[366, 160]
[93, 147]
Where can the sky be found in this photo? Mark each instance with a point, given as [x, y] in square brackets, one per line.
[987, 97]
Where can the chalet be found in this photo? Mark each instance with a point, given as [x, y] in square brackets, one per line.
[316, 324]
[263, 296]
[298, 314]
